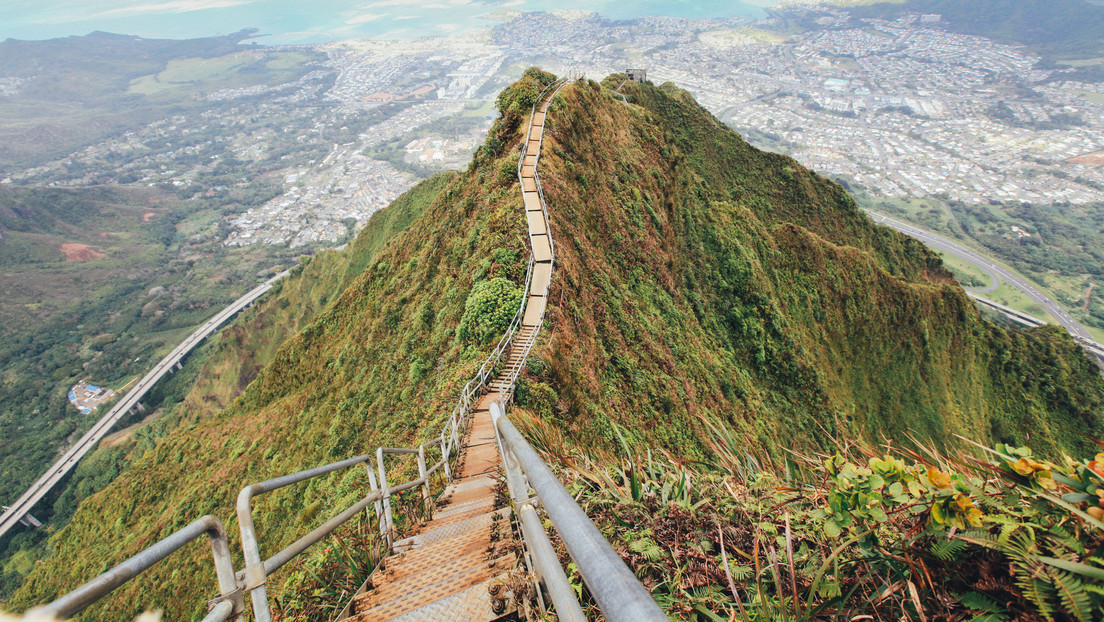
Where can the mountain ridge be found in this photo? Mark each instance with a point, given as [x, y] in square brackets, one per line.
[686, 296]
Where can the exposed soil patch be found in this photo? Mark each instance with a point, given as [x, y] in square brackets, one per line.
[1092, 159]
[148, 216]
[80, 252]
[124, 435]
[1086, 298]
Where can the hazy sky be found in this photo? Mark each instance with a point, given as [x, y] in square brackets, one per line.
[306, 21]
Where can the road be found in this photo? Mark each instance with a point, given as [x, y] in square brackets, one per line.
[991, 267]
[1092, 347]
[93, 436]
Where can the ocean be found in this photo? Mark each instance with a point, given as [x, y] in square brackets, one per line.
[303, 21]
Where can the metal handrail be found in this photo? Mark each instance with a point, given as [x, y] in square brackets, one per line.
[252, 579]
[617, 591]
[229, 603]
[256, 571]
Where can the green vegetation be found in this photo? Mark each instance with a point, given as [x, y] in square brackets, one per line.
[134, 289]
[399, 313]
[727, 259]
[237, 70]
[1064, 253]
[704, 290]
[489, 309]
[966, 273]
[986, 534]
[213, 376]
[1063, 256]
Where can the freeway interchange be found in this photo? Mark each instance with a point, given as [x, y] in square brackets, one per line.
[92, 437]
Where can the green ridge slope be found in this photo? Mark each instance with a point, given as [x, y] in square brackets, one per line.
[220, 369]
[696, 277]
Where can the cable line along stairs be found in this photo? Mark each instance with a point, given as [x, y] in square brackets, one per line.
[460, 565]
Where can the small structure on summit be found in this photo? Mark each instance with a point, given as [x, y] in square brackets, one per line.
[637, 75]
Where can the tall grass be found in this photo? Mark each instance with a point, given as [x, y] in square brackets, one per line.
[896, 531]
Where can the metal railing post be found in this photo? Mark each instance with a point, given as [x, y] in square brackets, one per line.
[253, 576]
[386, 526]
[372, 482]
[445, 458]
[427, 502]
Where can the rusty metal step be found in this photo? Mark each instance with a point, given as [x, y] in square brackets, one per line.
[452, 507]
[473, 603]
[431, 595]
[470, 546]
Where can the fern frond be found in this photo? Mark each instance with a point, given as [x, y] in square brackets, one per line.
[976, 601]
[1071, 592]
[1038, 593]
[948, 550]
[1093, 588]
[740, 573]
[648, 548]
[1006, 532]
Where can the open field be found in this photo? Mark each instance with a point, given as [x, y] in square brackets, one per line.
[1091, 158]
[238, 70]
[967, 273]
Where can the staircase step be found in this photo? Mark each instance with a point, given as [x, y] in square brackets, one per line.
[486, 502]
[473, 603]
[469, 546]
[452, 578]
[443, 571]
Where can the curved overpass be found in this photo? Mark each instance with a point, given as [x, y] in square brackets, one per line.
[990, 267]
[998, 273]
[69, 459]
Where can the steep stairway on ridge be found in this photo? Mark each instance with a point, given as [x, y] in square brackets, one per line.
[458, 565]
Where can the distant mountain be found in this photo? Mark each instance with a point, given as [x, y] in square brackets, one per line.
[1057, 28]
[698, 280]
[107, 55]
[73, 91]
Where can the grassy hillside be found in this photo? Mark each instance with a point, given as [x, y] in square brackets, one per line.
[700, 277]
[380, 362]
[698, 280]
[249, 344]
[213, 376]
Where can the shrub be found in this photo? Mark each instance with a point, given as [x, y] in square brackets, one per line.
[489, 308]
[541, 399]
[518, 98]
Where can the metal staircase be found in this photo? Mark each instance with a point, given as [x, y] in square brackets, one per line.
[459, 565]
[464, 562]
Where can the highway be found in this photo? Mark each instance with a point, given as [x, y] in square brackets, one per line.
[93, 436]
[991, 267]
